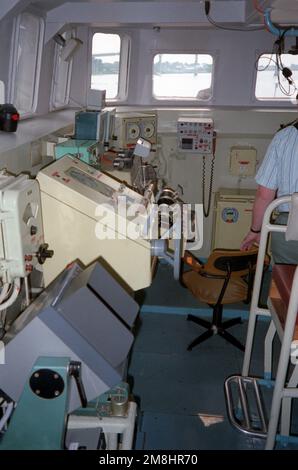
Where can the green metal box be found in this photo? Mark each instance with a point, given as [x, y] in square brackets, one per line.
[85, 150]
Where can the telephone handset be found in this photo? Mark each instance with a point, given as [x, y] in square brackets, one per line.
[206, 211]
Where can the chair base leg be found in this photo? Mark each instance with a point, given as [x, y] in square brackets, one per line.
[200, 339]
[231, 339]
[213, 329]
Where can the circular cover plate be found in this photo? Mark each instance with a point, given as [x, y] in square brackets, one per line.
[46, 383]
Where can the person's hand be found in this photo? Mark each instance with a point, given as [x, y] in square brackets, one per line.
[249, 240]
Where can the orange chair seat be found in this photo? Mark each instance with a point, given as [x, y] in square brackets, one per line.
[207, 289]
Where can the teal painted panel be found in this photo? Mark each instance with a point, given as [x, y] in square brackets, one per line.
[38, 423]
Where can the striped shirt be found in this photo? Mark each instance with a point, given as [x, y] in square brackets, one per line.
[279, 169]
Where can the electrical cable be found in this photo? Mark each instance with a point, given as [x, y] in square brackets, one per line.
[270, 59]
[281, 69]
[207, 6]
[207, 211]
[261, 68]
[14, 295]
[4, 292]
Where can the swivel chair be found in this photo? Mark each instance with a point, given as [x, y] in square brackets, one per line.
[226, 278]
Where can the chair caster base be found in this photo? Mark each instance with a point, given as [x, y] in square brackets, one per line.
[215, 329]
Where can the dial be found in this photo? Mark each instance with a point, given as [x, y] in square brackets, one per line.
[148, 130]
[133, 131]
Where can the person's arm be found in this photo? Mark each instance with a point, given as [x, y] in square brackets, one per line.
[263, 198]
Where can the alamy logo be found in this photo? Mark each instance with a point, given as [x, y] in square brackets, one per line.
[124, 219]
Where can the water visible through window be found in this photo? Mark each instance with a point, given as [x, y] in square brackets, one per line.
[182, 76]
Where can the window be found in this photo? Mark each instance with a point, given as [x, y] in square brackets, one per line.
[182, 76]
[270, 83]
[26, 60]
[61, 77]
[110, 64]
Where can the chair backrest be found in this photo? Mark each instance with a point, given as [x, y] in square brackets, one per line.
[239, 262]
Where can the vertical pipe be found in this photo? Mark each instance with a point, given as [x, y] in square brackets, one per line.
[27, 291]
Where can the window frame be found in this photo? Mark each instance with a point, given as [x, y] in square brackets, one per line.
[184, 99]
[124, 64]
[53, 106]
[37, 65]
[277, 102]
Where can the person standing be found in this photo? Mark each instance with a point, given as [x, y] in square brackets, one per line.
[276, 177]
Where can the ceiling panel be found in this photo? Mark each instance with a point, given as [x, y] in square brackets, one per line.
[281, 9]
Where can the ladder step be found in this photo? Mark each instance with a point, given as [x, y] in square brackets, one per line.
[245, 407]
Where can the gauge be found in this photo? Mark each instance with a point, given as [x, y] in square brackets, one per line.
[148, 130]
[133, 131]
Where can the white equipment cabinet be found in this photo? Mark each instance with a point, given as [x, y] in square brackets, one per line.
[232, 216]
[21, 230]
[73, 195]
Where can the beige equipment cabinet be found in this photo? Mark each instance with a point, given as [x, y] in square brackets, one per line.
[72, 193]
[232, 217]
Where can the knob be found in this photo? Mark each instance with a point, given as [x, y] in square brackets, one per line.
[43, 253]
[33, 230]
